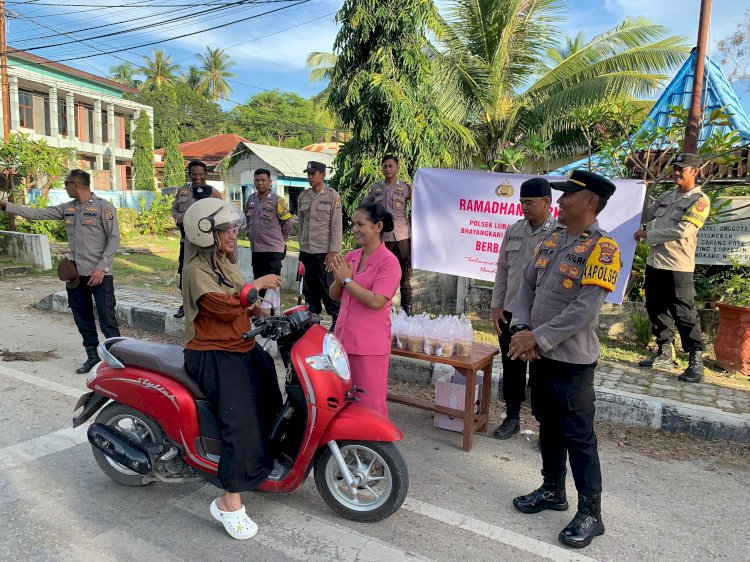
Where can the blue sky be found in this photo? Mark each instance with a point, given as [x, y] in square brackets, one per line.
[270, 50]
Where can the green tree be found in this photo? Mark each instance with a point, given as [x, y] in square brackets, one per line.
[194, 116]
[124, 74]
[496, 50]
[382, 89]
[143, 154]
[192, 78]
[735, 50]
[571, 46]
[278, 118]
[160, 71]
[24, 161]
[174, 164]
[214, 69]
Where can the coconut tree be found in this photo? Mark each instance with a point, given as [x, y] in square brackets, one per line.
[497, 48]
[214, 68]
[570, 46]
[124, 73]
[159, 70]
[193, 78]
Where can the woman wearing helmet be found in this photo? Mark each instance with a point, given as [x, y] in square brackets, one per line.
[237, 377]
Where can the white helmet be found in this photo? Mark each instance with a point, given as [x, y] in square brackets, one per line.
[206, 216]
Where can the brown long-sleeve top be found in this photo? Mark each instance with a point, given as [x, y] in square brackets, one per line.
[220, 323]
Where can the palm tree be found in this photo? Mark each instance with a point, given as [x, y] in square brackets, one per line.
[159, 71]
[495, 50]
[192, 77]
[561, 52]
[123, 73]
[214, 69]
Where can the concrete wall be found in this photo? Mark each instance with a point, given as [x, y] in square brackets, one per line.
[26, 248]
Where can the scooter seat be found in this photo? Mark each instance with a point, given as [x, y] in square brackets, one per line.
[163, 358]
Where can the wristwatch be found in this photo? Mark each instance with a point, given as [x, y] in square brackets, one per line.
[515, 328]
[347, 281]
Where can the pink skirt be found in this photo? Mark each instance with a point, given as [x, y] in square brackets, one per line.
[370, 373]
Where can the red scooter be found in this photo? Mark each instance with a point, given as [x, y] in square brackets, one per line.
[160, 427]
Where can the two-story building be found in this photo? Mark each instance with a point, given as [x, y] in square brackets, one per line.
[74, 109]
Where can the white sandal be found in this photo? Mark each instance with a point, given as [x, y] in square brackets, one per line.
[237, 523]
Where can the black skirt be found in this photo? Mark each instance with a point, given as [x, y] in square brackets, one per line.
[244, 390]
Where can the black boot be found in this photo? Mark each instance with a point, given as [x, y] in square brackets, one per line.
[511, 424]
[550, 496]
[92, 358]
[694, 372]
[662, 359]
[180, 312]
[587, 523]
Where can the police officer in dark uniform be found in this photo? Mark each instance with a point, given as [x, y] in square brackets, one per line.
[93, 236]
[554, 317]
[395, 196]
[185, 196]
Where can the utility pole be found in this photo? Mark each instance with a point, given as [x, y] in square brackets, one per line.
[694, 112]
[4, 73]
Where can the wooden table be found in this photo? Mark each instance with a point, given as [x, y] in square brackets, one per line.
[480, 360]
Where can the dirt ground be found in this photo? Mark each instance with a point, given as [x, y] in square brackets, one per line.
[23, 293]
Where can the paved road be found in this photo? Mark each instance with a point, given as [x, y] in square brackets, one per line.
[55, 503]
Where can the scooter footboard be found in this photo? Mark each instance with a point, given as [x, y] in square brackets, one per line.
[360, 423]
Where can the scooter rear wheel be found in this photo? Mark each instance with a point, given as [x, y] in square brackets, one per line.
[382, 480]
[140, 427]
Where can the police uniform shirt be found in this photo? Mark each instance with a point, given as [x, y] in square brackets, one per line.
[562, 289]
[320, 221]
[92, 227]
[268, 222]
[183, 198]
[515, 252]
[677, 217]
[394, 197]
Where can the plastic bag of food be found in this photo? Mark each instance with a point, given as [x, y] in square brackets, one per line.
[464, 337]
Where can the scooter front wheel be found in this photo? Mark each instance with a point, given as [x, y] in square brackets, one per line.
[381, 480]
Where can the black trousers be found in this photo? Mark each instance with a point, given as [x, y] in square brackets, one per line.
[514, 370]
[244, 390]
[562, 401]
[267, 263]
[316, 283]
[81, 301]
[402, 251]
[670, 301]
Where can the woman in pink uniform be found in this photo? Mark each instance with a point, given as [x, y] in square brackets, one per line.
[366, 280]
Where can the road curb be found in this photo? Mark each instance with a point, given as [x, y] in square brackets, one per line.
[616, 406]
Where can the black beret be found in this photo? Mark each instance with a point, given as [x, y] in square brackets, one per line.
[536, 187]
[583, 179]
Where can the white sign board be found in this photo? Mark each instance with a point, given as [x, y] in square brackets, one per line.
[724, 242]
[459, 219]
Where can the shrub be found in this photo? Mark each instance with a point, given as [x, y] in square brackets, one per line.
[735, 289]
[641, 327]
[53, 229]
[126, 219]
[157, 219]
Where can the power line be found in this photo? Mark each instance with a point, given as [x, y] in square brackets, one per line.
[119, 50]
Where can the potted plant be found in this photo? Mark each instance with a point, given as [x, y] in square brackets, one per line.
[732, 343]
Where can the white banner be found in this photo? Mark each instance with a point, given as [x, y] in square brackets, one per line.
[459, 218]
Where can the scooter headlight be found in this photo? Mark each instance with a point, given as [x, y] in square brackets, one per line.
[332, 359]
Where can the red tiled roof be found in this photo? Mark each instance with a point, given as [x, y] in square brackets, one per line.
[210, 150]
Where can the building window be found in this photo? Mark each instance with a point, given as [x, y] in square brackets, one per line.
[105, 128]
[62, 117]
[26, 110]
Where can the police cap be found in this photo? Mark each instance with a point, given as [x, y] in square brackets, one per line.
[583, 179]
[687, 160]
[313, 166]
[536, 187]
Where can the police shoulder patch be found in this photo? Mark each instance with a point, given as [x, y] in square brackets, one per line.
[697, 213]
[603, 264]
